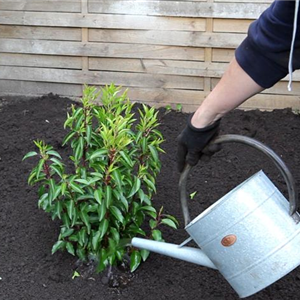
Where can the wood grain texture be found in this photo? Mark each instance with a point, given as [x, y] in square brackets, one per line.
[167, 52]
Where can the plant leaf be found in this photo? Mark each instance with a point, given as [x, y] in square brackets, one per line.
[173, 219]
[88, 133]
[150, 184]
[54, 153]
[70, 209]
[96, 240]
[98, 153]
[29, 154]
[74, 217]
[144, 254]
[103, 227]
[79, 149]
[66, 220]
[102, 260]
[58, 208]
[56, 161]
[148, 208]
[63, 188]
[144, 144]
[31, 178]
[124, 201]
[39, 167]
[192, 195]
[127, 159]
[117, 177]
[70, 248]
[83, 181]
[76, 188]
[169, 223]
[153, 223]
[85, 218]
[98, 196]
[56, 170]
[136, 187]
[117, 213]
[58, 245]
[81, 253]
[82, 237]
[156, 234]
[67, 232]
[43, 201]
[135, 260]
[108, 195]
[75, 274]
[68, 137]
[115, 234]
[101, 211]
[153, 152]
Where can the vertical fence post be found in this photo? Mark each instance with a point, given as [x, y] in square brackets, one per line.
[84, 37]
[208, 53]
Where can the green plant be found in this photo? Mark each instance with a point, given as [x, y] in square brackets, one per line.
[104, 203]
[75, 274]
[179, 107]
[192, 195]
[168, 108]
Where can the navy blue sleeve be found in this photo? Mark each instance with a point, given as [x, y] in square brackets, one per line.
[264, 54]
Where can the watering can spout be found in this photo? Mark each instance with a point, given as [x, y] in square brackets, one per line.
[189, 254]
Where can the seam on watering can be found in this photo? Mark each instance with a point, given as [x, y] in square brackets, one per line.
[242, 217]
[267, 255]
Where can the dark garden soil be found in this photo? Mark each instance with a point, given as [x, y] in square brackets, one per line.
[29, 271]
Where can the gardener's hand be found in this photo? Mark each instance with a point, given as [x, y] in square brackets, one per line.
[192, 141]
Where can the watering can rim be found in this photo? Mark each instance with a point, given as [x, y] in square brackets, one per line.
[285, 172]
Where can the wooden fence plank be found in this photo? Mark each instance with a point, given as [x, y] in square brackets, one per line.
[270, 102]
[29, 88]
[237, 26]
[222, 55]
[100, 50]
[40, 61]
[152, 66]
[194, 99]
[173, 38]
[101, 21]
[171, 67]
[179, 8]
[101, 78]
[189, 99]
[174, 96]
[41, 5]
[40, 33]
[280, 88]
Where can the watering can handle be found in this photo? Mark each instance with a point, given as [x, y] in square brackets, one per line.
[289, 180]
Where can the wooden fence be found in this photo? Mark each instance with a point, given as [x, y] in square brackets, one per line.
[166, 52]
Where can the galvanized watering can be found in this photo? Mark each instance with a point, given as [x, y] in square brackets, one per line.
[251, 235]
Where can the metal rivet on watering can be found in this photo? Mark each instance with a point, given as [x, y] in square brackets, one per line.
[228, 240]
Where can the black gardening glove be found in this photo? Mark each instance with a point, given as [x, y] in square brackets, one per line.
[192, 141]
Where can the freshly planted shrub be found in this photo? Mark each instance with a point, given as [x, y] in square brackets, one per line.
[105, 202]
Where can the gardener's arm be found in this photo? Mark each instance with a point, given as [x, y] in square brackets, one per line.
[260, 61]
[235, 87]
